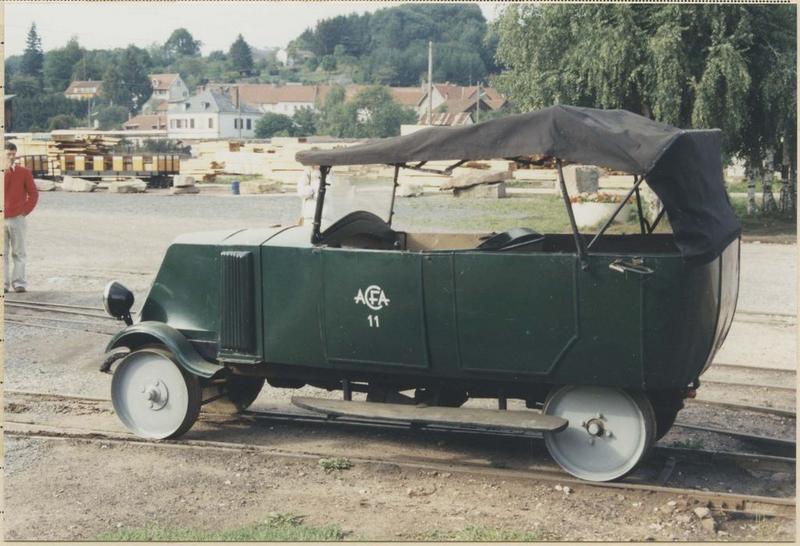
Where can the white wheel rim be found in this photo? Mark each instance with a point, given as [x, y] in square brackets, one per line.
[607, 433]
[149, 394]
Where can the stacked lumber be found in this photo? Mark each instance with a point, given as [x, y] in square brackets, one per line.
[88, 144]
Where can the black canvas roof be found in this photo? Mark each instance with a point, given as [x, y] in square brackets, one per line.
[683, 167]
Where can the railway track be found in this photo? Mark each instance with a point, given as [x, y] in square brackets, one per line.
[668, 457]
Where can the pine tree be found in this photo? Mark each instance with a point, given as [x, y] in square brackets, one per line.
[33, 58]
[241, 58]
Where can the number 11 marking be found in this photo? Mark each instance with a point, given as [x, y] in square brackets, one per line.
[374, 321]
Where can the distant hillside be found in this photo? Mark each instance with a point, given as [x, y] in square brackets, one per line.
[390, 46]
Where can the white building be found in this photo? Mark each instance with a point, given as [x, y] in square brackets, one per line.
[168, 87]
[211, 114]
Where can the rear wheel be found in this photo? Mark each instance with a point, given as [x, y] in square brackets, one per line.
[609, 431]
[153, 396]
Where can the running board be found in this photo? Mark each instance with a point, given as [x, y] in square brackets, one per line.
[520, 421]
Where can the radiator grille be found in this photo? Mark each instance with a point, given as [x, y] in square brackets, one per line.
[237, 302]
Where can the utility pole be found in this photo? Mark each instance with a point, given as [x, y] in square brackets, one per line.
[478, 103]
[239, 110]
[430, 82]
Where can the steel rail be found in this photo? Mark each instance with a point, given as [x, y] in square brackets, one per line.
[43, 308]
[781, 445]
[781, 412]
[731, 503]
[748, 385]
[304, 416]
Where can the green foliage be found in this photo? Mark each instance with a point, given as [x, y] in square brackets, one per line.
[272, 124]
[371, 114]
[33, 58]
[62, 121]
[112, 117]
[59, 65]
[305, 121]
[390, 46]
[275, 528]
[126, 83]
[182, 43]
[217, 55]
[335, 463]
[25, 86]
[240, 56]
[725, 66]
[32, 113]
[328, 63]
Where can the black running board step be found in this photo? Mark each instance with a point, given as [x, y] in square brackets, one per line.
[528, 421]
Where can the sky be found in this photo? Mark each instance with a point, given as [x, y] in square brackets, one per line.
[113, 24]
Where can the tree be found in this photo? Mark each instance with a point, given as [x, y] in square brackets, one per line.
[272, 124]
[328, 63]
[25, 86]
[126, 83]
[305, 121]
[372, 113]
[182, 43]
[112, 117]
[699, 66]
[59, 65]
[62, 121]
[32, 58]
[241, 57]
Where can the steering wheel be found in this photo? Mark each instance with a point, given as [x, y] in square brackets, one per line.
[511, 239]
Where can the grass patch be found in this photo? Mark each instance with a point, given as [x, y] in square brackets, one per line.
[276, 528]
[486, 534]
[773, 224]
[335, 464]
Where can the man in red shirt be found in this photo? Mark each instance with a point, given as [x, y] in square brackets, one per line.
[20, 199]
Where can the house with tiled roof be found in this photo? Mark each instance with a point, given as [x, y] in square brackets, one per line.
[211, 114]
[168, 87]
[146, 122]
[84, 89]
[454, 97]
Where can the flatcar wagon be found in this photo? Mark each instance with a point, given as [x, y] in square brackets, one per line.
[602, 336]
[156, 170]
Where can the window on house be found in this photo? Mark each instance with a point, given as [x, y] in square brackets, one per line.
[172, 124]
[210, 123]
[235, 123]
[191, 123]
[248, 123]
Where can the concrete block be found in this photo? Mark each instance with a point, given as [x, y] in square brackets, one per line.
[482, 191]
[182, 181]
[184, 190]
[44, 185]
[581, 179]
[409, 190]
[131, 185]
[476, 179]
[260, 186]
[72, 183]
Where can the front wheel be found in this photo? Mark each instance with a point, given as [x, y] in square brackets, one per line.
[609, 431]
[153, 396]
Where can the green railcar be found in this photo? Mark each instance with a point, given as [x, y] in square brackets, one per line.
[606, 334]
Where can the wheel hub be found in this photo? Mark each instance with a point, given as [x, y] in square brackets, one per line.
[156, 395]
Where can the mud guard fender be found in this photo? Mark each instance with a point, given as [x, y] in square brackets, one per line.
[147, 332]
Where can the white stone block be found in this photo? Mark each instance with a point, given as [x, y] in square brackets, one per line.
[72, 183]
[184, 190]
[182, 181]
[131, 185]
[44, 185]
[581, 179]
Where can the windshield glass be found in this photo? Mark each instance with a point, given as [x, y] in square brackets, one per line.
[346, 194]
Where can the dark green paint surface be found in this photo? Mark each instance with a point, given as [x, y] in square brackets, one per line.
[467, 316]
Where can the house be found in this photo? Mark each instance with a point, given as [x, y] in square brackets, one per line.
[452, 119]
[211, 114]
[279, 99]
[146, 122]
[451, 95]
[84, 90]
[168, 87]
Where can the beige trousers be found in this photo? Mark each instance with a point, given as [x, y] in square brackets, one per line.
[14, 250]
